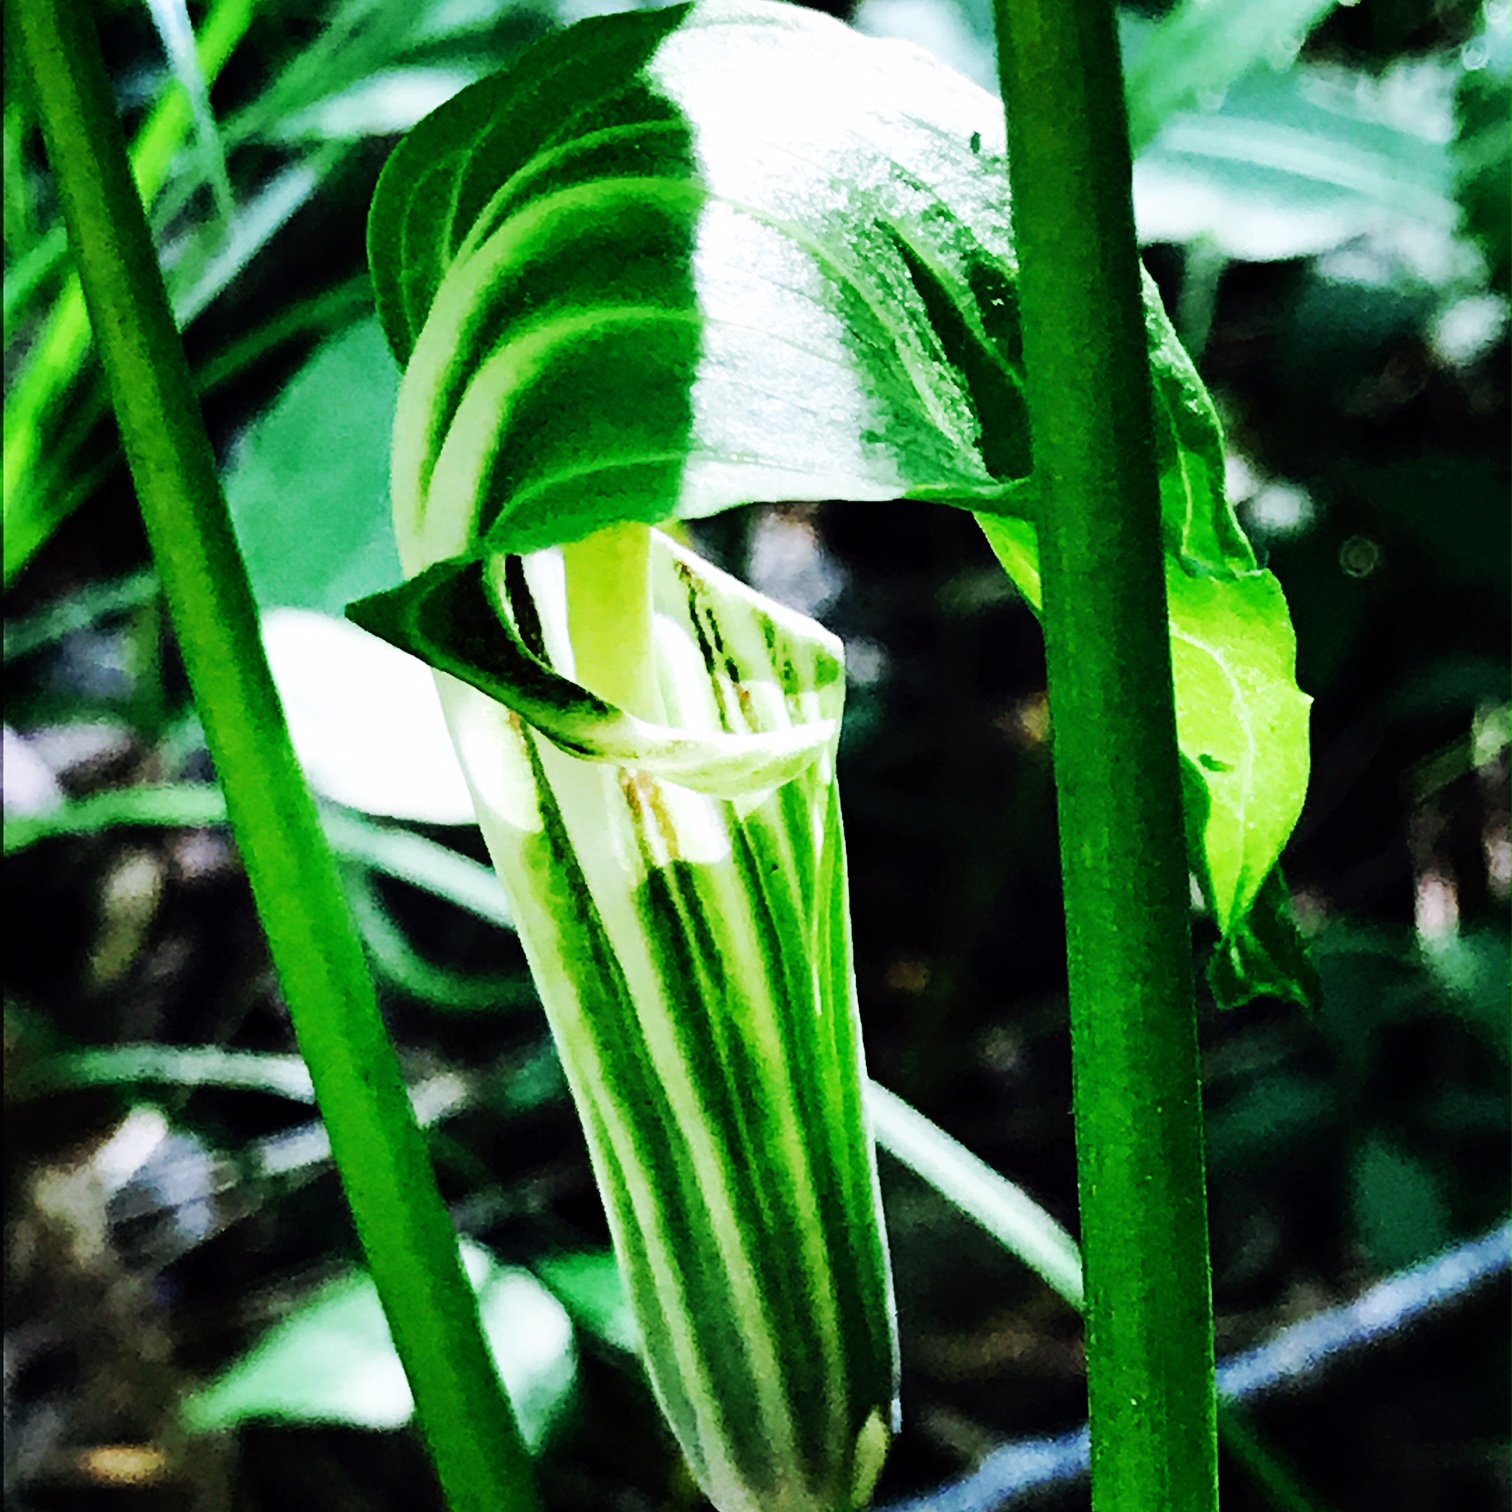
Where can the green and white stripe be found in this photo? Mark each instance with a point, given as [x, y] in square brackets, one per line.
[681, 259]
[680, 892]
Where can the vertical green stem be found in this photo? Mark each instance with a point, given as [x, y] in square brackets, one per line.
[400, 1218]
[609, 616]
[1136, 1086]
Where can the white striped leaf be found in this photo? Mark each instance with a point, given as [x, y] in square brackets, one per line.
[679, 260]
[680, 893]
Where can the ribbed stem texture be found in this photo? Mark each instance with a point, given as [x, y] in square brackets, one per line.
[1136, 1087]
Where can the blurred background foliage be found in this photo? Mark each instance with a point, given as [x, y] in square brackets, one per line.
[1323, 197]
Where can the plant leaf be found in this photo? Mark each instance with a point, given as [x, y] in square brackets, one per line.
[1295, 163]
[590, 1285]
[170, 1065]
[1241, 724]
[1200, 48]
[626, 286]
[307, 485]
[398, 961]
[1000, 1206]
[1263, 954]
[332, 1361]
[811, 303]
[171, 17]
[1400, 1213]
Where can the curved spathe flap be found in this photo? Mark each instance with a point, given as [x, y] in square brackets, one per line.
[772, 682]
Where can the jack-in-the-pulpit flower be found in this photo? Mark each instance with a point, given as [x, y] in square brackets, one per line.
[680, 892]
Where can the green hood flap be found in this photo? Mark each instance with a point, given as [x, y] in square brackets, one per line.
[755, 691]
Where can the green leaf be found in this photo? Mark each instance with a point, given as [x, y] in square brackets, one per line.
[1483, 145]
[627, 288]
[1241, 721]
[1264, 954]
[624, 288]
[1274, 1119]
[308, 483]
[397, 960]
[332, 1361]
[365, 721]
[621, 285]
[1472, 968]
[1201, 47]
[169, 1065]
[41, 487]
[1241, 724]
[412, 858]
[171, 17]
[625, 213]
[590, 1286]
[84, 607]
[183, 806]
[1300, 162]
[1400, 1213]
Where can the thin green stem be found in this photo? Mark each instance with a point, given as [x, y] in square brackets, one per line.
[400, 1219]
[1135, 1068]
[609, 616]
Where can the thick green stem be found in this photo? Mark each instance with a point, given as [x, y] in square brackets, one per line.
[609, 616]
[1136, 1086]
[400, 1219]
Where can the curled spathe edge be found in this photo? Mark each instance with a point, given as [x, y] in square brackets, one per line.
[476, 618]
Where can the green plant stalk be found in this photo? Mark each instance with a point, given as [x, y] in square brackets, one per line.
[400, 1219]
[1135, 1067]
[609, 616]
[64, 340]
